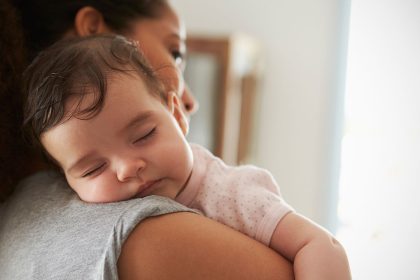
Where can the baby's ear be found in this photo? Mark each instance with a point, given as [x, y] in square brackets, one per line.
[89, 21]
[175, 107]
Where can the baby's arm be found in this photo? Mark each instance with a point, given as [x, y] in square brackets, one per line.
[314, 252]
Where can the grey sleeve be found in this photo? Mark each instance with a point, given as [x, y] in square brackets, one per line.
[147, 207]
[47, 232]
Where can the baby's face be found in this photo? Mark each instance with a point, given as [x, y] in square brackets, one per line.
[134, 147]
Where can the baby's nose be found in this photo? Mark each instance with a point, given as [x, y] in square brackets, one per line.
[130, 169]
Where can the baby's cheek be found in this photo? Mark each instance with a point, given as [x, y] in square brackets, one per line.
[93, 193]
[79, 188]
[107, 189]
[96, 190]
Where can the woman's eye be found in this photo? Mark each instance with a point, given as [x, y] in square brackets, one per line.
[148, 135]
[93, 171]
[178, 56]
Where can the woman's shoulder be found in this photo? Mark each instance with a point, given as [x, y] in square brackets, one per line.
[45, 225]
[41, 186]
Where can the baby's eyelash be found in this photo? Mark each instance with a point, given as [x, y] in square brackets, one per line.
[148, 135]
[93, 171]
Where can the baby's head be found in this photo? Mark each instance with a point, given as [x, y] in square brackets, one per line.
[100, 114]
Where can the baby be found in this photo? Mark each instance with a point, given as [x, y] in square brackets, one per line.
[101, 116]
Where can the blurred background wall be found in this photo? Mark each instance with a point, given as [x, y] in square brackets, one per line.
[300, 115]
[339, 118]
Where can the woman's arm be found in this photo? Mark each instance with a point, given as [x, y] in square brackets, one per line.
[189, 246]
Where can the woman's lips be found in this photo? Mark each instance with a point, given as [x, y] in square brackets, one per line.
[148, 188]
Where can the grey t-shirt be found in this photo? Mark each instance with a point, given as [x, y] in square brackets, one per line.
[46, 232]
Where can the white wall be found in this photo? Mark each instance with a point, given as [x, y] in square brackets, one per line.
[300, 114]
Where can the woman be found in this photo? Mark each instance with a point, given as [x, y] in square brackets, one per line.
[47, 232]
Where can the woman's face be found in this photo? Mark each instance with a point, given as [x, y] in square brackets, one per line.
[162, 40]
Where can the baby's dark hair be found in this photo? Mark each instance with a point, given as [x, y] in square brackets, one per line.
[74, 68]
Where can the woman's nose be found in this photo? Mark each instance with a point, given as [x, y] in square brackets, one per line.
[189, 101]
[130, 169]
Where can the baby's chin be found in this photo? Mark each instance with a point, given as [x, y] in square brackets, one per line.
[158, 187]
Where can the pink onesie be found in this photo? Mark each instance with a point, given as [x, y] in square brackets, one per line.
[245, 198]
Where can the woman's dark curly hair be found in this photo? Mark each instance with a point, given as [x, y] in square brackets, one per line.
[45, 21]
[11, 65]
[26, 28]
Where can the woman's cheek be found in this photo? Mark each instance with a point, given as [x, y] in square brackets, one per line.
[171, 79]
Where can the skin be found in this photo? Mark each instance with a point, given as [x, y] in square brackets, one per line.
[153, 157]
[161, 39]
[116, 156]
[198, 251]
[197, 248]
[315, 253]
[156, 37]
[123, 154]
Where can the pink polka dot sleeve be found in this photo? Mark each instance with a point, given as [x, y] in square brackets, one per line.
[245, 198]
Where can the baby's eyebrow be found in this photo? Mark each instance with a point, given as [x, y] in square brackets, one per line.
[73, 167]
[138, 119]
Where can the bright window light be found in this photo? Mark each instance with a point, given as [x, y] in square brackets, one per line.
[379, 204]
